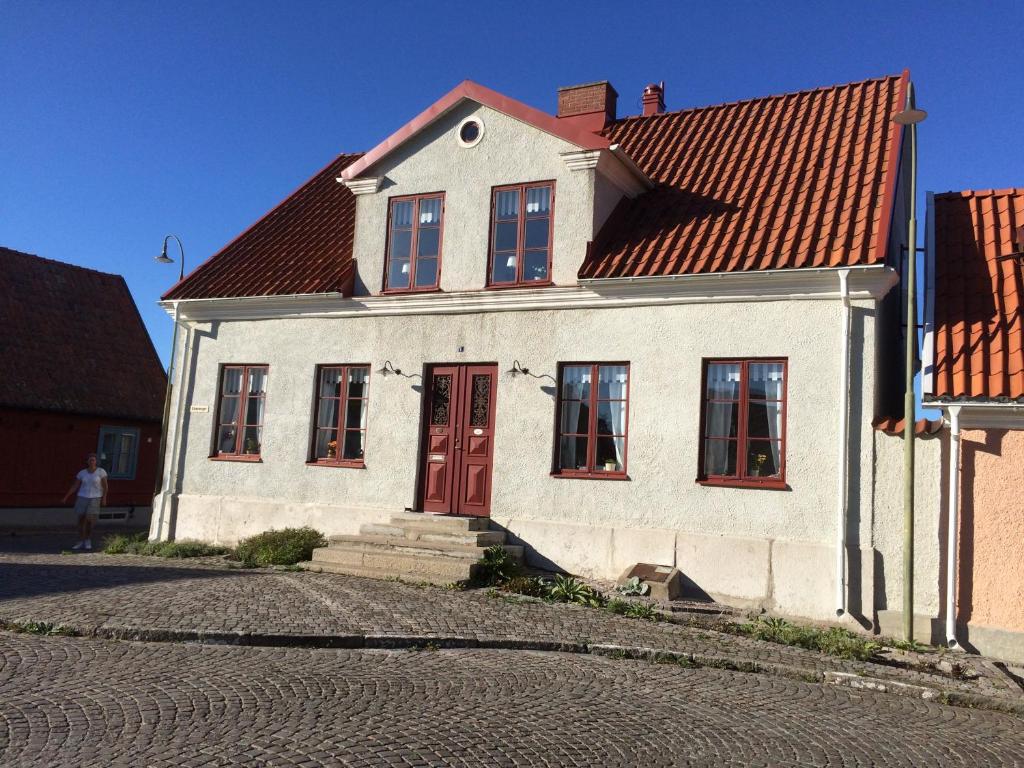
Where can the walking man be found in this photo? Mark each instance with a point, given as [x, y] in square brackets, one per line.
[91, 487]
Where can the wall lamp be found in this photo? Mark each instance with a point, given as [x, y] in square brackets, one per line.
[389, 368]
[517, 369]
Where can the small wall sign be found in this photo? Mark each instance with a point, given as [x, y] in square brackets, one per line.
[199, 409]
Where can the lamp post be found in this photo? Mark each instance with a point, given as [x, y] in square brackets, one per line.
[163, 258]
[910, 116]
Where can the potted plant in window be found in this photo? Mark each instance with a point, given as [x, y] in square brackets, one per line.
[757, 462]
[332, 449]
[610, 465]
[251, 446]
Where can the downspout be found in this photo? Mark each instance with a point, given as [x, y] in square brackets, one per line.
[954, 526]
[841, 469]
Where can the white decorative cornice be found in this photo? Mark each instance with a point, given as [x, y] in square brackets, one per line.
[612, 163]
[364, 185]
[769, 285]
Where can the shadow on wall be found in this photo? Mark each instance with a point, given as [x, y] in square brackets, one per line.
[855, 428]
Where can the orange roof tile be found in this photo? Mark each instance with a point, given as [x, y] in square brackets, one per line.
[799, 180]
[979, 286]
[304, 245]
[894, 425]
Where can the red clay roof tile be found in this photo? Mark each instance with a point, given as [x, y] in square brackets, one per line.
[71, 340]
[979, 328]
[304, 245]
[799, 180]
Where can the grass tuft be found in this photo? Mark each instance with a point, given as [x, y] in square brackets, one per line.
[137, 544]
[287, 546]
[834, 641]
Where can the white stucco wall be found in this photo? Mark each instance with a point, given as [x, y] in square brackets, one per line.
[509, 153]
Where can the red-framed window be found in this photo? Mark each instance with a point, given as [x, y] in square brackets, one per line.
[243, 393]
[413, 260]
[339, 436]
[743, 422]
[521, 230]
[592, 419]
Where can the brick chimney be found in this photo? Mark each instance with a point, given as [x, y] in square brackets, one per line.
[654, 99]
[590, 106]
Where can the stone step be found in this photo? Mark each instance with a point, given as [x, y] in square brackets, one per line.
[322, 566]
[416, 532]
[441, 523]
[412, 565]
[402, 544]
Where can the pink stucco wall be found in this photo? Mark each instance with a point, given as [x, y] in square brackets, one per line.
[991, 592]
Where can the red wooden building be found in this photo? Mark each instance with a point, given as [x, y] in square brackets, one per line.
[78, 374]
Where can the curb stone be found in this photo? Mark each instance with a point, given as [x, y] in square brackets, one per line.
[653, 655]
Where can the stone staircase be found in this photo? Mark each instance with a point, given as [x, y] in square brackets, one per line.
[413, 547]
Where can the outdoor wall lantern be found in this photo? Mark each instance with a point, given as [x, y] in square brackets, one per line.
[387, 368]
[163, 258]
[517, 369]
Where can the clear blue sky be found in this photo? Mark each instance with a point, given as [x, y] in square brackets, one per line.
[125, 121]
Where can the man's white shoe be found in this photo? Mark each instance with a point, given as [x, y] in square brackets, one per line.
[88, 543]
[79, 545]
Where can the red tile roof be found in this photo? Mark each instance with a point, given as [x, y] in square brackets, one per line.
[979, 328]
[71, 340]
[894, 425]
[304, 245]
[800, 180]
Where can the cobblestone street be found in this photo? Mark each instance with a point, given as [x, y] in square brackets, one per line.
[79, 702]
[363, 694]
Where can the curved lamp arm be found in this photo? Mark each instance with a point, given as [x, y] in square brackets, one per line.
[163, 258]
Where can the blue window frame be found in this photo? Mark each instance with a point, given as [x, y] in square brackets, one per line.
[118, 451]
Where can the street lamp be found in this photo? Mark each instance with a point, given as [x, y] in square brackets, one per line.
[910, 116]
[163, 258]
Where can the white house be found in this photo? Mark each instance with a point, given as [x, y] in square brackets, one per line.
[653, 338]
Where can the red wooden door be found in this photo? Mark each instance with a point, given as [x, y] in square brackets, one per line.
[458, 445]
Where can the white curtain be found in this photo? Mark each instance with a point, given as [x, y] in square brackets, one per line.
[723, 381]
[574, 385]
[613, 383]
[770, 377]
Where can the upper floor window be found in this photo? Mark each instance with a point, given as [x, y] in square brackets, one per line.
[414, 243]
[118, 451]
[521, 234]
[593, 411]
[342, 393]
[744, 422]
[243, 391]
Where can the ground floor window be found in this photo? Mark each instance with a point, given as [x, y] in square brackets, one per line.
[118, 451]
[593, 418]
[243, 391]
[342, 396]
[744, 422]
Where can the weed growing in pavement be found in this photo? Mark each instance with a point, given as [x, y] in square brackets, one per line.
[496, 566]
[530, 586]
[569, 589]
[833, 641]
[904, 645]
[428, 646]
[38, 628]
[635, 587]
[287, 546]
[644, 611]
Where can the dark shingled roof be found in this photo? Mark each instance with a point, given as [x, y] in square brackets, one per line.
[72, 340]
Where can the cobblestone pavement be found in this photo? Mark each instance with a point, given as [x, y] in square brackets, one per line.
[82, 702]
[203, 599]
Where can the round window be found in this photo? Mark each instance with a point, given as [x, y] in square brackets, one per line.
[471, 130]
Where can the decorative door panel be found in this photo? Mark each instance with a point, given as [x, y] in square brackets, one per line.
[459, 440]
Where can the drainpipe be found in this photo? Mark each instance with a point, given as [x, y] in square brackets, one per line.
[954, 527]
[841, 469]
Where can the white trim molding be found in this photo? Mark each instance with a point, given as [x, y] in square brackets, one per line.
[983, 415]
[871, 282]
[364, 185]
[612, 163]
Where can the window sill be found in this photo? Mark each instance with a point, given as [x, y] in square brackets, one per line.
[515, 286]
[404, 291]
[590, 476]
[771, 484]
[244, 458]
[346, 464]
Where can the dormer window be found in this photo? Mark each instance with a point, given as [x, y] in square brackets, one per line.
[414, 243]
[520, 252]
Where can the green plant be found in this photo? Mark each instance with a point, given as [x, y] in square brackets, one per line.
[635, 586]
[39, 628]
[644, 611]
[568, 589]
[531, 586]
[617, 606]
[496, 566]
[123, 544]
[287, 546]
[906, 645]
[136, 544]
[834, 641]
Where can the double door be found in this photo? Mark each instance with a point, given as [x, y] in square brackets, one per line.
[458, 440]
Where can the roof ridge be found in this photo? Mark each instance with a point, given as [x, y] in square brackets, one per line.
[59, 263]
[980, 192]
[820, 88]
